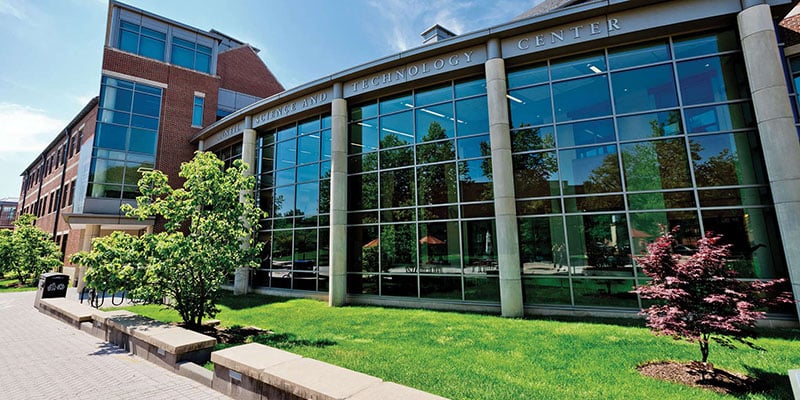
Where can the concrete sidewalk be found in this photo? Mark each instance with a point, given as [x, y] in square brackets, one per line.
[43, 358]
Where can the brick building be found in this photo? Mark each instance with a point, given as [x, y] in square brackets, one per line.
[162, 81]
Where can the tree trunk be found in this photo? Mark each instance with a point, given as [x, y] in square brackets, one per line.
[704, 347]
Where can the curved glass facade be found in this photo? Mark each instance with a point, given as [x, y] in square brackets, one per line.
[607, 148]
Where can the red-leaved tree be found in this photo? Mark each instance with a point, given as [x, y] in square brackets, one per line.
[700, 297]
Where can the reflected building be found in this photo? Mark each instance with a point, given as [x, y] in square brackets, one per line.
[523, 168]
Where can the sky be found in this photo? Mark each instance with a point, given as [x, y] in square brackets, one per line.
[51, 50]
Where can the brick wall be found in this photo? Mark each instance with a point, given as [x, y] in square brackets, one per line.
[242, 70]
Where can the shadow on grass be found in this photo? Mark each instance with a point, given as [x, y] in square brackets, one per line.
[771, 385]
[290, 340]
[249, 300]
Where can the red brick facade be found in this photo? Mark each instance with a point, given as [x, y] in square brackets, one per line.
[243, 71]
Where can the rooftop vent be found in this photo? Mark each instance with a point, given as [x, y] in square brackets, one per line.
[435, 34]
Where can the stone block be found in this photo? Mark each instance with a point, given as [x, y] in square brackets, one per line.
[393, 391]
[312, 379]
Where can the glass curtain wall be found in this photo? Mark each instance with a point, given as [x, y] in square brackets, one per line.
[125, 138]
[420, 221]
[610, 147]
[294, 172]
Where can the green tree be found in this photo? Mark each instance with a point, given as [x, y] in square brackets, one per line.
[28, 251]
[6, 250]
[207, 235]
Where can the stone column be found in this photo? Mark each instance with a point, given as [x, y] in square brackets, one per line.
[241, 278]
[503, 183]
[775, 126]
[337, 288]
[89, 233]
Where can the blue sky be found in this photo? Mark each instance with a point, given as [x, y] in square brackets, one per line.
[51, 49]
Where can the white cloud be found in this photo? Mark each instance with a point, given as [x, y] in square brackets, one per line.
[26, 129]
[14, 10]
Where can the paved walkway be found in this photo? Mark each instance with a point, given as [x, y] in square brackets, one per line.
[43, 358]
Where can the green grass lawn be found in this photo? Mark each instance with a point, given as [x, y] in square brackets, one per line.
[469, 356]
[10, 285]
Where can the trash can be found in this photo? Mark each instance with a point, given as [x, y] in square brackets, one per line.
[53, 284]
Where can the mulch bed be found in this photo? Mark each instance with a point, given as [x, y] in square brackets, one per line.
[702, 375]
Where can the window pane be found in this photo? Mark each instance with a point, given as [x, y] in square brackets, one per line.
[728, 159]
[661, 200]
[396, 158]
[116, 117]
[647, 227]
[475, 180]
[398, 248]
[542, 248]
[547, 291]
[705, 43]
[440, 287]
[129, 41]
[397, 129]
[582, 98]
[583, 64]
[655, 165]
[477, 146]
[530, 106]
[599, 241]
[367, 185]
[285, 177]
[528, 76]
[734, 197]
[590, 170]
[287, 132]
[182, 56]
[146, 104]
[284, 201]
[642, 126]
[593, 204]
[115, 98]
[588, 132]
[529, 139]
[362, 248]
[364, 136]
[638, 54]
[539, 207]
[308, 149]
[396, 103]
[397, 188]
[140, 121]
[472, 116]
[478, 240]
[723, 117]
[535, 174]
[152, 48]
[143, 141]
[433, 95]
[644, 89]
[197, 112]
[308, 173]
[202, 63]
[470, 87]
[286, 153]
[364, 111]
[608, 292]
[308, 201]
[435, 152]
[107, 171]
[111, 136]
[435, 122]
[437, 184]
[439, 250]
[713, 79]
[326, 144]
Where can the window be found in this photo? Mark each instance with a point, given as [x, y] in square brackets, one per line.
[197, 111]
[143, 41]
[191, 55]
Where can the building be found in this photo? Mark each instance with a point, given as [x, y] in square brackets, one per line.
[162, 82]
[8, 212]
[520, 168]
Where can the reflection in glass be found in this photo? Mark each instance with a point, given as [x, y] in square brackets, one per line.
[734, 197]
[439, 250]
[724, 117]
[538, 207]
[530, 139]
[482, 288]
[284, 201]
[307, 203]
[435, 122]
[476, 146]
[285, 177]
[660, 200]
[440, 287]
[647, 227]
[362, 284]
[727, 159]
[308, 126]
[590, 170]
[642, 126]
[594, 203]
[582, 64]
[398, 248]
[644, 89]
[530, 106]
[363, 111]
[587, 132]
[394, 103]
[436, 184]
[542, 246]
[435, 152]
[364, 136]
[546, 291]
[367, 186]
[470, 87]
[475, 180]
[605, 292]
[705, 43]
[713, 79]
[479, 245]
[308, 147]
[756, 250]
[398, 157]
[432, 95]
[582, 98]
[397, 130]
[397, 188]
[654, 165]
[531, 75]
[399, 285]
[598, 242]
[638, 54]
[472, 116]
[480, 210]
[286, 133]
[286, 154]
[535, 174]
[362, 248]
